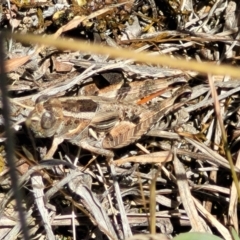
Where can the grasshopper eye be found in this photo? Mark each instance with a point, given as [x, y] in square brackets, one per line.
[47, 120]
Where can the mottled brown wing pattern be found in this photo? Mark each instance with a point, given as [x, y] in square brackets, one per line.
[133, 91]
[127, 132]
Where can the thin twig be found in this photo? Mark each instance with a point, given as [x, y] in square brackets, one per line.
[224, 135]
[10, 144]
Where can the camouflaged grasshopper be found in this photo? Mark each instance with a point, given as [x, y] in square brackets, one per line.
[97, 123]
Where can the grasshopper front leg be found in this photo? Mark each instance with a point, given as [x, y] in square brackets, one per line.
[56, 141]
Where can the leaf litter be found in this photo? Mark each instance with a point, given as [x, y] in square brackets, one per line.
[78, 195]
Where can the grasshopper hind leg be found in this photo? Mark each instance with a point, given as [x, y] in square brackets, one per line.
[89, 145]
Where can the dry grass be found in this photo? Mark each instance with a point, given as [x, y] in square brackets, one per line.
[178, 176]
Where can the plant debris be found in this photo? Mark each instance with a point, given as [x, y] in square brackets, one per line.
[173, 179]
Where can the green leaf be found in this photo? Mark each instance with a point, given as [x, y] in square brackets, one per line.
[234, 234]
[196, 236]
